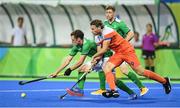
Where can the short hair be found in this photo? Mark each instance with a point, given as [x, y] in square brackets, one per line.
[135, 32]
[78, 34]
[111, 8]
[20, 18]
[97, 23]
[149, 24]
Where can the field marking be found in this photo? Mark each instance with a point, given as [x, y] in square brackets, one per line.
[59, 90]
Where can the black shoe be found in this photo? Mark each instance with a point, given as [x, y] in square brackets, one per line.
[107, 94]
[167, 86]
[111, 93]
[115, 93]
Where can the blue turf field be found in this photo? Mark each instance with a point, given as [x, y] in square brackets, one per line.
[46, 94]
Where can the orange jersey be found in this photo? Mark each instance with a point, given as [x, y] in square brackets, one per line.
[118, 43]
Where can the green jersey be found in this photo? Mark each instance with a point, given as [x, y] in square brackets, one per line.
[88, 48]
[109, 53]
[119, 26]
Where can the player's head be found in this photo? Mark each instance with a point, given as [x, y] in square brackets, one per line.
[20, 21]
[110, 12]
[136, 36]
[77, 37]
[149, 27]
[96, 26]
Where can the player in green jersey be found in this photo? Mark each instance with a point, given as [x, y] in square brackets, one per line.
[119, 26]
[86, 48]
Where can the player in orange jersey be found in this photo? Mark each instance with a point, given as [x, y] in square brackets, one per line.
[124, 51]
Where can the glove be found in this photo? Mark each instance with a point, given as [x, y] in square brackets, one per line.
[67, 72]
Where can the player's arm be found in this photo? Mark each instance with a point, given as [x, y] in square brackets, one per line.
[156, 41]
[98, 49]
[85, 50]
[66, 63]
[102, 50]
[96, 59]
[129, 36]
[79, 63]
[75, 66]
[125, 29]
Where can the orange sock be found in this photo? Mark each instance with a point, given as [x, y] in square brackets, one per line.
[110, 80]
[152, 75]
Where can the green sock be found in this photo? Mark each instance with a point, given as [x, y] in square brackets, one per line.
[123, 87]
[135, 79]
[81, 83]
[102, 80]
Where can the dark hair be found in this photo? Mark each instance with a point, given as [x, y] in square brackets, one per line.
[149, 24]
[135, 32]
[111, 7]
[78, 34]
[20, 18]
[97, 23]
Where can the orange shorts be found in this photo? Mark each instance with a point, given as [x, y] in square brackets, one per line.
[129, 57]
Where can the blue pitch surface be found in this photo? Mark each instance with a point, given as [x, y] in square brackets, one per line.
[47, 93]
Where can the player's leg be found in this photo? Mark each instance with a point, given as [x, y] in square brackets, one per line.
[133, 61]
[151, 63]
[145, 55]
[110, 77]
[132, 76]
[79, 90]
[102, 79]
[114, 61]
[102, 83]
[121, 85]
[154, 76]
[147, 64]
[151, 60]
[98, 68]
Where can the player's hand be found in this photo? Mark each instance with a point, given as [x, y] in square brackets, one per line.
[67, 72]
[95, 60]
[54, 75]
[87, 69]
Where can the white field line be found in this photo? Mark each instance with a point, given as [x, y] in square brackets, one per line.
[56, 90]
